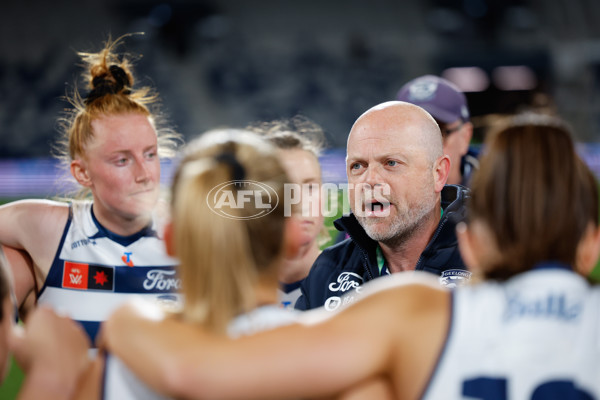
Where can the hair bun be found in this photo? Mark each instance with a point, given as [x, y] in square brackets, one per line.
[102, 85]
[120, 77]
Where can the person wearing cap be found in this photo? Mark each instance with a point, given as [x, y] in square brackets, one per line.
[448, 106]
[403, 215]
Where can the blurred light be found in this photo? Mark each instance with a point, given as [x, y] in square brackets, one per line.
[475, 8]
[517, 77]
[160, 15]
[468, 79]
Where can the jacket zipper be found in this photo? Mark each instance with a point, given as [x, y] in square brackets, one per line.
[365, 257]
[435, 235]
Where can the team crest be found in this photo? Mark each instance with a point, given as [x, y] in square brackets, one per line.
[423, 90]
[454, 277]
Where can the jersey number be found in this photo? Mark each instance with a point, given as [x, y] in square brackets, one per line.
[495, 389]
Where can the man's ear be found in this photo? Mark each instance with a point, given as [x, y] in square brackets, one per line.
[80, 173]
[169, 238]
[441, 171]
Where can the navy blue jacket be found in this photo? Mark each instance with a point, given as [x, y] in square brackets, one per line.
[348, 264]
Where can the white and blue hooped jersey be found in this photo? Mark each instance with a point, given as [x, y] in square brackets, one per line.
[94, 270]
[536, 336]
[120, 383]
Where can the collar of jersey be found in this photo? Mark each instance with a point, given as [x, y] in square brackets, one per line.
[552, 265]
[122, 240]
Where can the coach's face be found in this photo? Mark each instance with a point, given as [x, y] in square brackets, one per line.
[393, 166]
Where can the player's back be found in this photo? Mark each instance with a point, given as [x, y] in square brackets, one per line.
[536, 336]
[120, 383]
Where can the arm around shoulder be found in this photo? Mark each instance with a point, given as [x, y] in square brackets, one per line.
[334, 351]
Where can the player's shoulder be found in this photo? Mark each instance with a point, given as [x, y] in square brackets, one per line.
[411, 292]
[38, 212]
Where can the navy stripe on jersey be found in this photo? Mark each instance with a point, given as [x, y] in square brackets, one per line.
[552, 265]
[122, 240]
[91, 328]
[118, 279]
[54, 271]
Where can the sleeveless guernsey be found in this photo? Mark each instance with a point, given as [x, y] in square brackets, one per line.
[536, 336]
[94, 270]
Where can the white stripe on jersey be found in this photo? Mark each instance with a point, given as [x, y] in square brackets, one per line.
[79, 302]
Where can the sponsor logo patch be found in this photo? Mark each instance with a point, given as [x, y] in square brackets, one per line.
[335, 302]
[346, 281]
[87, 277]
[162, 280]
[75, 275]
[126, 258]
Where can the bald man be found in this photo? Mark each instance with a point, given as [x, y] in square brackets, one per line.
[403, 213]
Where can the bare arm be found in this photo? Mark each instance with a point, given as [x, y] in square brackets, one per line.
[33, 225]
[334, 354]
[32, 229]
[53, 353]
[89, 386]
[188, 362]
[21, 266]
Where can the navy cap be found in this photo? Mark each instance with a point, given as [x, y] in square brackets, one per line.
[438, 96]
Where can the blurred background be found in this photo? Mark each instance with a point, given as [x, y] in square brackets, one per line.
[232, 62]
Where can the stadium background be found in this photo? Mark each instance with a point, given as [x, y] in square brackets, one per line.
[232, 62]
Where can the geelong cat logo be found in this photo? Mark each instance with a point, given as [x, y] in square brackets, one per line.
[227, 199]
[452, 278]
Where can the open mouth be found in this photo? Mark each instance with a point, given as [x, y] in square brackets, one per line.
[377, 208]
